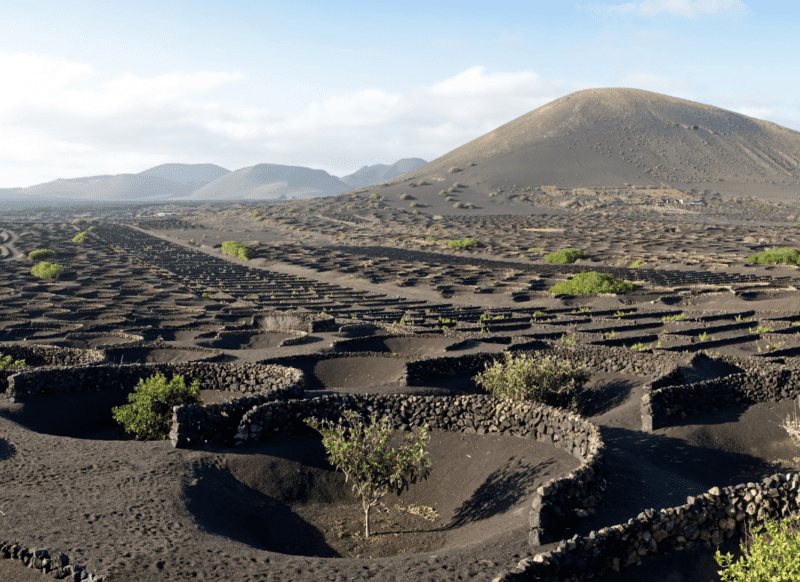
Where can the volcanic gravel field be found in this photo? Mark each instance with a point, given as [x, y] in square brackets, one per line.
[158, 290]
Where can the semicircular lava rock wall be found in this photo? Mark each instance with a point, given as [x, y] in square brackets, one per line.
[557, 504]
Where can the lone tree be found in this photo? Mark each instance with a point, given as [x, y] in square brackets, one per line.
[363, 454]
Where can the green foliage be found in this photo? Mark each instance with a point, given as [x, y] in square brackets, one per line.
[437, 227]
[206, 296]
[760, 563]
[80, 237]
[374, 196]
[739, 318]
[361, 451]
[233, 248]
[565, 256]
[40, 254]
[149, 414]
[785, 255]
[533, 379]
[457, 205]
[7, 363]
[415, 212]
[46, 270]
[404, 196]
[590, 283]
[442, 193]
[679, 317]
[460, 243]
[760, 329]
[255, 213]
[430, 238]
[413, 204]
[535, 249]
[636, 264]
[639, 347]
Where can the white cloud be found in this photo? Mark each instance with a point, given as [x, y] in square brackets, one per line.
[692, 9]
[66, 119]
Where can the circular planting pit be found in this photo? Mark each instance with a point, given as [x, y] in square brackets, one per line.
[158, 355]
[282, 495]
[89, 341]
[410, 346]
[248, 341]
[349, 372]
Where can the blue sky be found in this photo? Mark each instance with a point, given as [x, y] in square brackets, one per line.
[107, 87]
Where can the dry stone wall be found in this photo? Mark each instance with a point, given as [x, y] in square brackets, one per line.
[58, 565]
[669, 402]
[702, 521]
[244, 378]
[41, 355]
[556, 505]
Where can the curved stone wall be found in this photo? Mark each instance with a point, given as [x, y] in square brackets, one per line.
[245, 378]
[57, 566]
[557, 504]
[702, 521]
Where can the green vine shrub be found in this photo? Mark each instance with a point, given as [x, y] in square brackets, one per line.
[589, 283]
[779, 560]
[46, 270]
[460, 243]
[786, 255]
[537, 379]
[149, 414]
[233, 248]
[361, 451]
[8, 363]
[565, 256]
[80, 237]
[40, 254]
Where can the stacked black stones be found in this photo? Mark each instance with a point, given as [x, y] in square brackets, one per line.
[557, 504]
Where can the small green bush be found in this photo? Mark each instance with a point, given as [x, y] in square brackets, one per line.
[40, 254]
[679, 317]
[759, 562]
[233, 248]
[80, 237]
[590, 283]
[46, 270]
[460, 243]
[255, 213]
[374, 196]
[442, 193]
[413, 204]
[457, 205]
[565, 256]
[636, 264]
[532, 379]
[149, 414]
[785, 255]
[404, 196]
[415, 212]
[7, 363]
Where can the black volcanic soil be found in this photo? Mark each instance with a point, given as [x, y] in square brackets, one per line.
[74, 483]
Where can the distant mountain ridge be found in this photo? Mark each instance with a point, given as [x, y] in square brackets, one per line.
[193, 175]
[272, 181]
[379, 173]
[207, 182]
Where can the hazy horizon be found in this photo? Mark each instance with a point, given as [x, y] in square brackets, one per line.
[336, 88]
